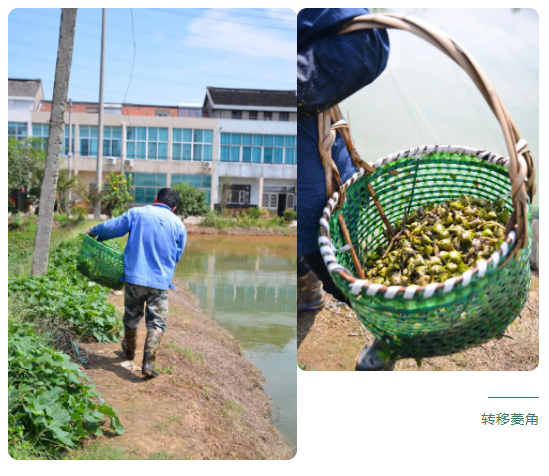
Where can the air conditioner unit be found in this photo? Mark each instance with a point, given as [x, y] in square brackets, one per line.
[111, 161]
[207, 165]
[128, 162]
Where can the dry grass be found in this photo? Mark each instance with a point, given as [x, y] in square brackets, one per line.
[332, 338]
[208, 402]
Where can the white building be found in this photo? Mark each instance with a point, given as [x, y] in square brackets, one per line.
[243, 137]
[257, 146]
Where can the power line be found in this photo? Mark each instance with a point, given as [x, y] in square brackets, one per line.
[121, 59]
[223, 21]
[188, 52]
[80, 66]
[233, 12]
[131, 72]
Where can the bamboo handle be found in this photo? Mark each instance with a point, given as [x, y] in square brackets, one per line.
[521, 172]
[345, 232]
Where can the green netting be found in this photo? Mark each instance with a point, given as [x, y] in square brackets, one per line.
[101, 263]
[444, 323]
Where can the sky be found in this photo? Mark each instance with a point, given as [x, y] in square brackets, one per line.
[178, 52]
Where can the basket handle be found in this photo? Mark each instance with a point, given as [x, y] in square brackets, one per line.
[521, 166]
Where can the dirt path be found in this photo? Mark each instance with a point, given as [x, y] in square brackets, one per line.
[208, 402]
[332, 338]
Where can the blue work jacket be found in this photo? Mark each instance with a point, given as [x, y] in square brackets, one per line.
[156, 242]
[330, 68]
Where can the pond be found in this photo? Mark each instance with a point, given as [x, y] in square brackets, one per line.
[423, 97]
[248, 285]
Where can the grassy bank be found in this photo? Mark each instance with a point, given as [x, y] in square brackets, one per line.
[52, 405]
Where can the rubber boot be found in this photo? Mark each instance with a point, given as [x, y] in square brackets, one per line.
[310, 295]
[149, 355]
[129, 343]
[368, 360]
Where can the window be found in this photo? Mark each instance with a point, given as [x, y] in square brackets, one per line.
[42, 131]
[192, 144]
[284, 116]
[201, 182]
[162, 113]
[146, 186]
[65, 148]
[270, 200]
[236, 115]
[92, 110]
[112, 110]
[147, 143]
[112, 141]
[88, 141]
[256, 148]
[271, 197]
[290, 201]
[239, 195]
[189, 112]
[17, 129]
[267, 116]
[253, 115]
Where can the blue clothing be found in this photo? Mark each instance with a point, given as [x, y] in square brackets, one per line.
[330, 68]
[156, 242]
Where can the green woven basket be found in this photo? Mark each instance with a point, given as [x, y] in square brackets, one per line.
[101, 263]
[468, 310]
[442, 318]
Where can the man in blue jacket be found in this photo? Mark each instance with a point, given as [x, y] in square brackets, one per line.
[156, 242]
[330, 68]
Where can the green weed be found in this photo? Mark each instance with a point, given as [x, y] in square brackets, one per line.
[50, 404]
[186, 352]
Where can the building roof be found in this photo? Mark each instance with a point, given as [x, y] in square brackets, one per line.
[23, 87]
[252, 97]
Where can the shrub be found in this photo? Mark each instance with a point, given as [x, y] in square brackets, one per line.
[192, 201]
[62, 218]
[79, 211]
[16, 222]
[117, 197]
[63, 293]
[209, 219]
[221, 223]
[255, 212]
[290, 216]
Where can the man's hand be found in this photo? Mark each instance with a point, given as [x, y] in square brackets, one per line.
[90, 233]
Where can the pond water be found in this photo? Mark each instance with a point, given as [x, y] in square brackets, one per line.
[423, 97]
[248, 285]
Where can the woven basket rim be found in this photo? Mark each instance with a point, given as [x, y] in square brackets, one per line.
[103, 245]
[390, 292]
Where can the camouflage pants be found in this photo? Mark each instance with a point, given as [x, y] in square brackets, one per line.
[156, 311]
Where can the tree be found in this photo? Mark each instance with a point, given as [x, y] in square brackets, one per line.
[192, 201]
[24, 158]
[116, 199]
[55, 141]
[224, 187]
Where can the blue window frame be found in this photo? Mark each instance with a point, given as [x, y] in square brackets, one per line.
[192, 144]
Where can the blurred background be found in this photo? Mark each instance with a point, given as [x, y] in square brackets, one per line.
[423, 97]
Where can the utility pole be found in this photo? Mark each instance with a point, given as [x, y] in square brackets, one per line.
[99, 169]
[69, 152]
[55, 141]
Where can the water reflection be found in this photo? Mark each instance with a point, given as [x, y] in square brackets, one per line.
[248, 284]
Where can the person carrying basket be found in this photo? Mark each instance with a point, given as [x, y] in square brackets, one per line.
[330, 68]
[156, 241]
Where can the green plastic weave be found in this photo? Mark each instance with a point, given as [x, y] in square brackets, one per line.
[444, 323]
[101, 263]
